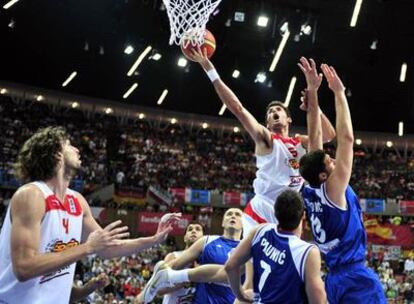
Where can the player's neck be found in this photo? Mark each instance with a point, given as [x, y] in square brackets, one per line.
[59, 184]
[232, 234]
[283, 131]
[297, 231]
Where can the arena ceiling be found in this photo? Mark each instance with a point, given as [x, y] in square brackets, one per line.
[43, 42]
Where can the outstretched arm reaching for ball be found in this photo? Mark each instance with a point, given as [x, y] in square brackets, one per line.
[258, 132]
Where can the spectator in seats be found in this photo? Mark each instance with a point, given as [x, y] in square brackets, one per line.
[409, 266]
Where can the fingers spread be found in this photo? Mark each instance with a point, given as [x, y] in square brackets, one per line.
[118, 230]
[113, 225]
[120, 236]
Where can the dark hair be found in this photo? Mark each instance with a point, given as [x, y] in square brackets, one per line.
[277, 103]
[311, 165]
[196, 223]
[38, 158]
[289, 209]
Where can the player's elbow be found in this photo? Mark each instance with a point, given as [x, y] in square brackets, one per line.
[348, 138]
[23, 273]
[329, 136]
[229, 266]
[236, 108]
[318, 295]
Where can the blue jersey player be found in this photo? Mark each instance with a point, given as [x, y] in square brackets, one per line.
[212, 249]
[286, 268]
[332, 206]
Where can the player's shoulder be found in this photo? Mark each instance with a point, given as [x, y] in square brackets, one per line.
[28, 192]
[258, 232]
[28, 200]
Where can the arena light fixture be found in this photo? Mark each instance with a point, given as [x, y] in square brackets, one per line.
[141, 115]
[280, 49]
[204, 125]
[156, 56]
[162, 97]
[374, 45]
[262, 21]
[355, 14]
[139, 60]
[222, 109]
[239, 16]
[69, 79]
[290, 91]
[261, 77]
[75, 105]
[236, 74]
[128, 50]
[108, 111]
[39, 98]
[236, 130]
[173, 121]
[403, 72]
[400, 128]
[182, 62]
[10, 4]
[3, 91]
[130, 90]
[358, 141]
[389, 144]
[306, 29]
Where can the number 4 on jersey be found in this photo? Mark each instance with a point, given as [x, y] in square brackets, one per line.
[65, 223]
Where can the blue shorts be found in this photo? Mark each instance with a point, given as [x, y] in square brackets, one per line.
[354, 283]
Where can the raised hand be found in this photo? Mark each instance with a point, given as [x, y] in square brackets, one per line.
[334, 82]
[165, 226]
[200, 55]
[313, 79]
[111, 235]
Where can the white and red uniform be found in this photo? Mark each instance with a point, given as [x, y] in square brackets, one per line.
[61, 228]
[276, 172]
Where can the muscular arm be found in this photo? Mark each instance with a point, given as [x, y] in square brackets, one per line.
[313, 119]
[319, 127]
[189, 255]
[259, 134]
[328, 130]
[313, 283]
[124, 247]
[339, 178]
[27, 211]
[238, 259]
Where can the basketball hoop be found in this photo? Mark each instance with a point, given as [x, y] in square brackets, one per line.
[188, 19]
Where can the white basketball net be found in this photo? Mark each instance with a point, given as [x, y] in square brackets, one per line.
[188, 19]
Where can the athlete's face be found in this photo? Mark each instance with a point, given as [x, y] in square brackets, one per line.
[193, 233]
[71, 156]
[277, 118]
[232, 219]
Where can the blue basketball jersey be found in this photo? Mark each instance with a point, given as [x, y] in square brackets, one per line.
[216, 250]
[339, 233]
[279, 266]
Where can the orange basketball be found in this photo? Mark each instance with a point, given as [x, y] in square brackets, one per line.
[209, 44]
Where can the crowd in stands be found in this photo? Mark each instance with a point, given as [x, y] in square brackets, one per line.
[135, 153]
